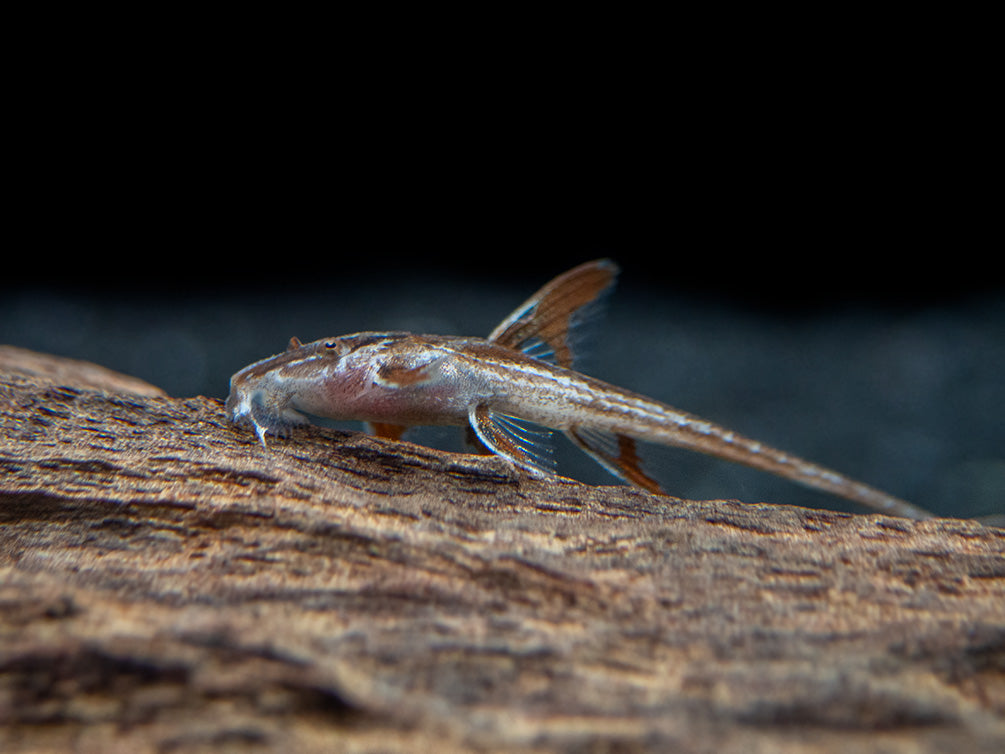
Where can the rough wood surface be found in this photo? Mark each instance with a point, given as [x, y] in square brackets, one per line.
[166, 585]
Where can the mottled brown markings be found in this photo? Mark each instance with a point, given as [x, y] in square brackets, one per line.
[294, 358]
[685, 619]
[362, 340]
[893, 524]
[987, 567]
[403, 376]
[746, 523]
[185, 468]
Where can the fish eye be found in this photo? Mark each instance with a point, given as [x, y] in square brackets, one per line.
[336, 346]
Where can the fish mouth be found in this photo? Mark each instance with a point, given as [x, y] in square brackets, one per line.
[236, 408]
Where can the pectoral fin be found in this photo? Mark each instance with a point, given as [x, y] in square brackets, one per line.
[522, 443]
[616, 453]
[544, 324]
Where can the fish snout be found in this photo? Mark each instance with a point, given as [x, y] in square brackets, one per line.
[238, 403]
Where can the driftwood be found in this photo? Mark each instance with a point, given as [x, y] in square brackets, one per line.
[167, 585]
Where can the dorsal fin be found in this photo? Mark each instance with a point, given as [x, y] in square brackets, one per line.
[541, 326]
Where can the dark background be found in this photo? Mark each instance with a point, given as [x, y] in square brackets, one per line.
[809, 257]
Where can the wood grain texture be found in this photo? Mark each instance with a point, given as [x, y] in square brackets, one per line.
[167, 585]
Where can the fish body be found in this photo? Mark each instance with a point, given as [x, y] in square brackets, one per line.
[511, 390]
